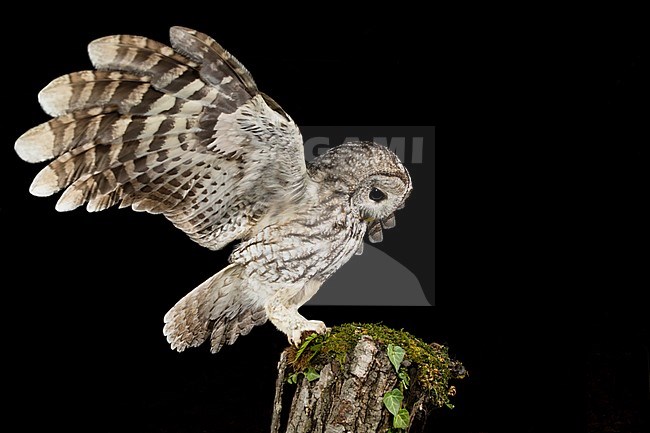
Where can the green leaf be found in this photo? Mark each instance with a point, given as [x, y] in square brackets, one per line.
[304, 344]
[449, 405]
[404, 377]
[393, 401]
[401, 419]
[311, 374]
[396, 355]
[293, 378]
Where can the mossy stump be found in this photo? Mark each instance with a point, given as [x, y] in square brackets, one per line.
[362, 378]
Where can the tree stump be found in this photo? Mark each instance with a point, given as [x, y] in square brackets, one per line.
[361, 378]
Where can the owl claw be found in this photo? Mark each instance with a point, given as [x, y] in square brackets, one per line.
[308, 327]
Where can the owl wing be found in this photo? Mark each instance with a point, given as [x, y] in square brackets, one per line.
[183, 132]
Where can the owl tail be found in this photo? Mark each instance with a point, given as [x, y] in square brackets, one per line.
[219, 308]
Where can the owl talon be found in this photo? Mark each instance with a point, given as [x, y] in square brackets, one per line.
[305, 329]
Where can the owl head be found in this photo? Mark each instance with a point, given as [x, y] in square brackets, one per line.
[372, 175]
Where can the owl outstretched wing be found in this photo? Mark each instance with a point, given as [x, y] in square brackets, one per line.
[181, 131]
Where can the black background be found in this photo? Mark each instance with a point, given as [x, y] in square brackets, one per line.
[541, 154]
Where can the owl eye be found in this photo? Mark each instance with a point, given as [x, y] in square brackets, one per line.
[376, 195]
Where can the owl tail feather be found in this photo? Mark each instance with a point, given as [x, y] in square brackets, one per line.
[219, 309]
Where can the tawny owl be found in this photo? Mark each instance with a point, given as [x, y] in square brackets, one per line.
[185, 132]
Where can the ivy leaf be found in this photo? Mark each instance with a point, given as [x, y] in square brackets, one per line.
[404, 377]
[311, 374]
[393, 401]
[396, 355]
[401, 419]
[304, 344]
[293, 378]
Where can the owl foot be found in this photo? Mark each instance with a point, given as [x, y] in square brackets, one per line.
[306, 328]
[292, 324]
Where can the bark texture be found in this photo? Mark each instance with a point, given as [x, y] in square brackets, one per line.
[343, 401]
[348, 396]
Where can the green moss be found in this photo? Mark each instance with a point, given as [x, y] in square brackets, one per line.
[431, 363]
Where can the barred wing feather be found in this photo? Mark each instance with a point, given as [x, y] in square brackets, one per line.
[180, 131]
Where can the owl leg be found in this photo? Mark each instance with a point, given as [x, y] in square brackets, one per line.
[292, 323]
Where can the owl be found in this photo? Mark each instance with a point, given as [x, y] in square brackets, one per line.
[183, 131]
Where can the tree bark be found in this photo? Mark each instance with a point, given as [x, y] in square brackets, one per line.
[340, 401]
[348, 396]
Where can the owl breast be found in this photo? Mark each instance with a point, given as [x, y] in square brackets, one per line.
[308, 240]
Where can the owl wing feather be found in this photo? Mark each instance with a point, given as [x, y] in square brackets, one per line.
[180, 131]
